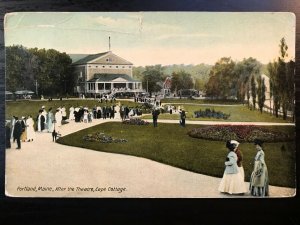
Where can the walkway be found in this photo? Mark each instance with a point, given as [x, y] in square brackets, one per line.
[46, 169]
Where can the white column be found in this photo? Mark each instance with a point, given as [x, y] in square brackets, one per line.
[103, 86]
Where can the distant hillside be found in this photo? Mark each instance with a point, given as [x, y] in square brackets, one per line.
[76, 57]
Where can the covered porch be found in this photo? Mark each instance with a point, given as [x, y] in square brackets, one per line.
[112, 83]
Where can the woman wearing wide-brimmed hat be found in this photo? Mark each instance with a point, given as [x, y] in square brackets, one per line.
[259, 181]
[239, 154]
[232, 181]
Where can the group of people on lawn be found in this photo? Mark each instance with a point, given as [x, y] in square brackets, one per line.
[233, 177]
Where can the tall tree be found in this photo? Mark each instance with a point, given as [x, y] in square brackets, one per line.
[224, 78]
[181, 80]
[17, 58]
[152, 77]
[261, 92]
[253, 91]
[50, 69]
[245, 69]
[274, 86]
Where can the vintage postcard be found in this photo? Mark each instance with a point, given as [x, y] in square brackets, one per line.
[150, 104]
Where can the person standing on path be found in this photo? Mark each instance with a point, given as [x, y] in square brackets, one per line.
[30, 129]
[239, 157]
[232, 182]
[259, 181]
[155, 114]
[7, 135]
[182, 117]
[18, 132]
[24, 129]
[50, 119]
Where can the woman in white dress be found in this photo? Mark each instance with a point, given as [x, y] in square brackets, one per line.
[58, 117]
[30, 129]
[85, 115]
[50, 118]
[239, 154]
[71, 115]
[232, 182]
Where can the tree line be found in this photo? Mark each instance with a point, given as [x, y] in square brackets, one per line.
[47, 72]
[243, 81]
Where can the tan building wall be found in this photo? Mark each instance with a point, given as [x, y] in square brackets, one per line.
[110, 69]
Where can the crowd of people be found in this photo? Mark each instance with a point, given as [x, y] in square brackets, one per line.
[234, 176]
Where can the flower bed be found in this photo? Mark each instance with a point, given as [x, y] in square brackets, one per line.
[102, 138]
[135, 121]
[208, 113]
[240, 133]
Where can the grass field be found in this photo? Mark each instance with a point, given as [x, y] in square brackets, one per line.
[170, 144]
[25, 107]
[238, 113]
[200, 101]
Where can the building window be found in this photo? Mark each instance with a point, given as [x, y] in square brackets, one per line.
[80, 76]
[123, 66]
[129, 66]
[109, 66]
[96, 66]
[109, 60]
[103, 66]
[117, 67]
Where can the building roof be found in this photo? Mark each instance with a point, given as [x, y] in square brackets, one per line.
[89, 58]
[103, 58]
[105, 77]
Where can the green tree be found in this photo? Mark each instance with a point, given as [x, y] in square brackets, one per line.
[245, 69]
[253, 91]
[222, 79]
[152, 77]
[51, 69]
[17, 58]
[181, 80]
[261, 92]
[274, 87]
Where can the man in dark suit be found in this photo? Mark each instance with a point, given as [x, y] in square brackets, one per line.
[17, 132]
[155, 114]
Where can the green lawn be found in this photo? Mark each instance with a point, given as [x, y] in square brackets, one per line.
[200, 101]
[26, 107]
[170, 144]
[238, 113]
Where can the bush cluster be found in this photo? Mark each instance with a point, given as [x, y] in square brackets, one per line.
[102, 138]
[135, 121]
[240, 133]
[211, 113]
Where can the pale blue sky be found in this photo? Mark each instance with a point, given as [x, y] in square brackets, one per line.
[147, 38]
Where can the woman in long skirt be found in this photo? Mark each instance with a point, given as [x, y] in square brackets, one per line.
[239, 154]
[30, 129]
[232, 181]
[24, 130]
[50, 118]
[259, 181]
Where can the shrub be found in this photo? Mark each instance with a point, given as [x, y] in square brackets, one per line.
[211, 113]
[102, 138]
[135, 121]
[240, 133]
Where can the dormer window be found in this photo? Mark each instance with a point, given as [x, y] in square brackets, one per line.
[109, 60]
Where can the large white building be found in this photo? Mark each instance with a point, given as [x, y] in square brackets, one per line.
[104, 73]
